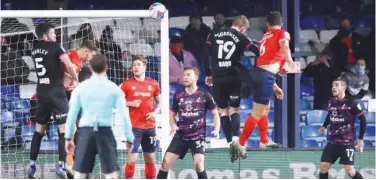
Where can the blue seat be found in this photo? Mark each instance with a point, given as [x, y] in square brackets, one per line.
[176, 32]
[49, 145]
[306, 90]
[253, 143]
[209, 117]
[307, 81]
[7, 117]
[153, 74]
[316, 117]
[20, 104]
[370, 117]
[312, 22]
[209, 129]
[175, 87]
[312, 132]
[361, 23]
[21, 115]
[204, 87]
[10, 90]
[27, 133]
[368, 144]
[271, 117]
[370, 133]
[52, 133]
[8, 98]
[243, 115]
[304, 104]
[246, 104]
[309, 143]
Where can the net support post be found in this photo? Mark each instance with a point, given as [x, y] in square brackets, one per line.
[165, 84]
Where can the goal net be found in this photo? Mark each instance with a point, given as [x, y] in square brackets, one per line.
[119, 35]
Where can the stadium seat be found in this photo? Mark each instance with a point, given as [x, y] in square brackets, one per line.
[306, 90]
[332, 23]
[304, 104]
[370, 117]
[307, 81]
[10, 90]
[179, 22]
[123, 35]
[316, 117]
[243, 115]
[370, 133]
[305, 49]
[312, 132]
[49, 145]
[20, 104]
[154, 75]
[27, 90]
[175, 87]
[246, 103]
[7, 117]
[209, 130]
[364, 31]
[255, 34]
[150, 35]
[141, 49]
[28, 22]
[312, 22]
[271, 117]
[361, 23]
[327, 35]
[308, 143]
[52, 132]
[76, 24]
[208, 20]
[21, 115]
[209, 117]
[308, 35]
[368, 144]
[153, 24]
[174, 31]
[29, 61]
[27, 133]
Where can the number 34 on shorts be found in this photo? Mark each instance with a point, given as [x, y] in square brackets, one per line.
[200, 144]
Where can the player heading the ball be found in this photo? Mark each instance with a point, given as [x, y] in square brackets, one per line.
[141, 92]
[225, 47]
[274, 53]
[52, 99]
[189, 106]
[342, 110]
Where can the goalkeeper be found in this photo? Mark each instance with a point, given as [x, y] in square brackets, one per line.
[97, 97]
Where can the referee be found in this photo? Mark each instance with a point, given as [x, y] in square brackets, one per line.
[97, 97]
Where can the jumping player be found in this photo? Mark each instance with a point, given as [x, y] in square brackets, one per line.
[141, 92]
[274, 54]
[48, 55]
[190, 106]
[340, 122]
[82, 55]
[225, 48]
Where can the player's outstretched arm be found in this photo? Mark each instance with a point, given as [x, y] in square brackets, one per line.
[124, 114]
[74, 109]
[285, 48]
[71, 68]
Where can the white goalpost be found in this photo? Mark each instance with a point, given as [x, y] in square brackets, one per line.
[119, 34]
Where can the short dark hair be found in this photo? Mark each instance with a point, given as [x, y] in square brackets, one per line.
[43, 29]
[98, 63]
[194, 69]
[88, 44]
[140, 58]
[274, 18]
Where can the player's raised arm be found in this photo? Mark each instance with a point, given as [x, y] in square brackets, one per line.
[208, 53]
[71, 68]
[74, 109]
[124, 114]
[285, 48]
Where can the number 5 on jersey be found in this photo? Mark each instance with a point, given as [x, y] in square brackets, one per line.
[40, 66]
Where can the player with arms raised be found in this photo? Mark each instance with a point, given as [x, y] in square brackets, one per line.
[225, 48]
[52, 99]
[190, 106]
[274, 54]
[141, 92]
[340, 122]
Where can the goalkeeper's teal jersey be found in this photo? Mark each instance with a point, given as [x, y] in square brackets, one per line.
[97, 97]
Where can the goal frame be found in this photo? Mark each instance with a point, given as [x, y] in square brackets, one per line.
[165, 87]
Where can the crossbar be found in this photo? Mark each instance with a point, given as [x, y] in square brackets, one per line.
[73, 13]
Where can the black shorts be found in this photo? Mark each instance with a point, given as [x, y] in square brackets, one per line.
[89, 144]
[227, 91]
[332, 152]
[147, 138]
[262, 84]
[181, 147]
[56, 106]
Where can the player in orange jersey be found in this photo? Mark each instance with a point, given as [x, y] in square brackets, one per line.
[275, 58]
[82, 55]
[141, 92]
